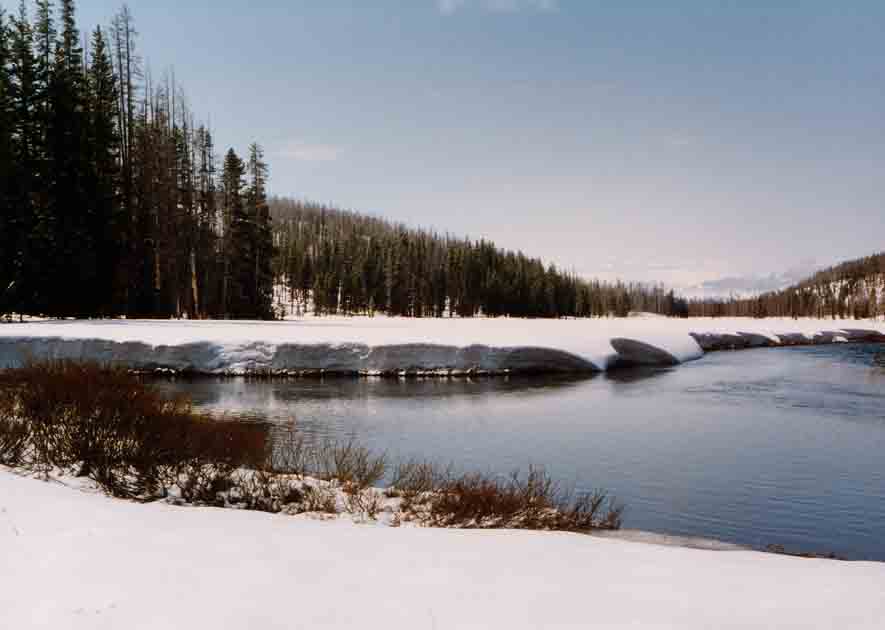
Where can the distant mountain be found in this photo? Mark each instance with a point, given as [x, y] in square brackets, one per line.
[746, 286]
[855, 288]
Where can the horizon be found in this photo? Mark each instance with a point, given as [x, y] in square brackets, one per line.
[689, 145]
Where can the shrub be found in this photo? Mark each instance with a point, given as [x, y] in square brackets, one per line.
[530, 502]
[203, 482]
[594, 510]
[366, 503]
[414, 477]
[124, 434]
[290, 453]
[266, 491]
[13, 439]
[320, 497]
[353, 466]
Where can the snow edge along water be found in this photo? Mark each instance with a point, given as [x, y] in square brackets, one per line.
[395, 347]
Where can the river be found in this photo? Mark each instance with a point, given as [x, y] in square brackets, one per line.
[776, 446]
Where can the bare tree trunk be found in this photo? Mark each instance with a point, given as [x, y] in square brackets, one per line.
[195, 291]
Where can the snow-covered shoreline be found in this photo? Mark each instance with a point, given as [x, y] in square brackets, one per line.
[390, 346]
[80, 560]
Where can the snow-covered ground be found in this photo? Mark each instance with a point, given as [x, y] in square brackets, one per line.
[372, 345]
[76, 560]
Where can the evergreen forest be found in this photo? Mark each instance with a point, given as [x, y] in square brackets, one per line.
[113, 204]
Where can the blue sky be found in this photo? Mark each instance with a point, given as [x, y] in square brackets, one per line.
[679, 141]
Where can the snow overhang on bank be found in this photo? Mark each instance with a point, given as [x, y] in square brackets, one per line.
[400, 346]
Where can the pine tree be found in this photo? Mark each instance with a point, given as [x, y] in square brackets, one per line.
[238, 259]
[34, 231]
[10, 218]
[207, 262]
[74, 216]
[44, 34]
[261, 235]
[110, 227]
[127, 69]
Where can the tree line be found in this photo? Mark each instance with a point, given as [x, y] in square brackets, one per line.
[336, 261]
[853, 289]
[112, 201]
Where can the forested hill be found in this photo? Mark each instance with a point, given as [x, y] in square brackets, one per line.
[337, 261]
[851, 289]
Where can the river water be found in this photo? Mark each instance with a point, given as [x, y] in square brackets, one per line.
[779, 446]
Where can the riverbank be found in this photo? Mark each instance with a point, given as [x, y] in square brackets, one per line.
[385, 346]
[80, 560]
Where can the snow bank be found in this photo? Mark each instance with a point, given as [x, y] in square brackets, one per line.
[633, 352]
[383, 345]
[85, 562]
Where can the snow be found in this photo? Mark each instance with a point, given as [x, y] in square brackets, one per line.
[81, 561]
[374, 345]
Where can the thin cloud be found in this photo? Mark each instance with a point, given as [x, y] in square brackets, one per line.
[680, 140]
[305, 152]
[449, 7]
[675, 274]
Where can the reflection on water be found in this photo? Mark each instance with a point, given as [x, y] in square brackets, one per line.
[770, 446]
[242, 391]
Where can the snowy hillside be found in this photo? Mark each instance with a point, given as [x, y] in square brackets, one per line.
[386, 345]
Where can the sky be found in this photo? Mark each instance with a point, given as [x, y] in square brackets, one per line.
[690, 142]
